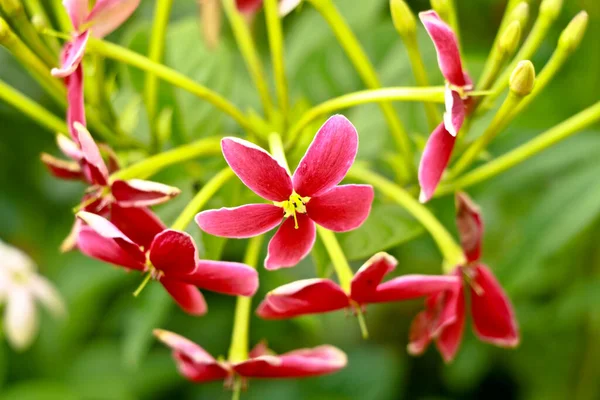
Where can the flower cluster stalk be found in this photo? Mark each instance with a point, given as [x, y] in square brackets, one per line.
[39, 18]
[275, 34]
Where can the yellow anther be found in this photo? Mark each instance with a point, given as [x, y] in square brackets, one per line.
[295, 204]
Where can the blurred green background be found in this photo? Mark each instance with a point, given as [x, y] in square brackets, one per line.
[542, 229]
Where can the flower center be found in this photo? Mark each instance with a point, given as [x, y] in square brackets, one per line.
[295, 204]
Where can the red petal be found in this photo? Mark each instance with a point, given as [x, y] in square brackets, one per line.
[257, 169]
[295, 364]
[412, 286]
[139, 224]
[77, 11]
[419, 335]
[75, 108]
[328, 159]
[260, 349]
[470, 226]
[62, 169]
[187, 296]
[140, 193]
[231, 278]
[446, 45]
[68, 147]
[449, 338]
[493, 316]
[307, 296]
[108, 15]
[455, 112]
[369, 276]
[71, 56]
[434, 161]
[240, 222]
[248, 6]
[91, 155]
[342, 208]
[290, 245]
[174, 253]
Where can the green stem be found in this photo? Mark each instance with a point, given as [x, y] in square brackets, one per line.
[428, 94]
[552, 136]
[32, 109]
[142, 285]
[61, 16]
[151, 165]
[276, 146]
[365, 69]
[37, 11]
[246, 45]
[156, 51]
[452, 253]
[338, 259]
[201, 198]
[104, 106]
[175, 78]
[277, 54]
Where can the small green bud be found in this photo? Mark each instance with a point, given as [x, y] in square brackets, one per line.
[522, 79]
[403, 18]
[550, 8]
[510, 39]
[12, 7]
[571, 36]
[520, 13]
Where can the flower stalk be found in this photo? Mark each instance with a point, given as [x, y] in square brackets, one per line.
[275, 35]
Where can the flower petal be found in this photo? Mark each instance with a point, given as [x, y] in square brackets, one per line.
[419, 335]
[446, 45]
[138, 223]
[454, 116]
[257, 169]
[108, 15]
[248, 6]
[434, 161]
[20, 318]
[187, 296]
[494, 320]
[231, 278]
[470, 226]
[75, 106]
[307, 296]
[412, 286]
[71, 56]
[287, 6]
[342, 208]
[68, 147]
[290, 245]
[369, 276]
[140, 193]
[50, 298]
[174, 253]
[92, 156]
[299, 363]
[240, 222]
[62, 169]
[328, 158]
[77, 11]
[449, 337]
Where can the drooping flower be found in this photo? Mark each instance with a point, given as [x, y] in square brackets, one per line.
[310, 196]
[88, 166]
[491, 310]
[458, 83]
[313, 296]
[141, 242]
[252, 6]
[20, 288]
[195, 364]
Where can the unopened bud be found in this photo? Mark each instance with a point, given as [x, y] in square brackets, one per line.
[550, 8]
[403, 18]
[522, 79]
[510, 38]
[571, 36]
[11, 7]
[520, 13]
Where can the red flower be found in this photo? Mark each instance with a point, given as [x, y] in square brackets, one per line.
[313, 296]
[310, 196]
[444, 316]
[197, 365]
[141, 242]
[252, 6]
[441, 142]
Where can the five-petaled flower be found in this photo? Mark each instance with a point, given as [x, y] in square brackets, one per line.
[252, 6]
[312, 296]
[444, 317]
[197, 365]
[310, 196]
[144, 244]
[458, 83]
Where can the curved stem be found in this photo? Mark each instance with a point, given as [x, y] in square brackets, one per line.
[338, 259]
[427, 94]
[552, 136]
[61, 16]
[277, 54]
[201, 198]
[152, 165]
[451, 251]
[175, 78]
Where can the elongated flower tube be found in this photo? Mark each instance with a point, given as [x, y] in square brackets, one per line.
[252, 6]
[491, 311]
[310, 196]
[441, 141]
[195, 364]
[314, 296]
[141, 242]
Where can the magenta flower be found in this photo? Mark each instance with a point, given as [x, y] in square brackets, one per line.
[441, 142]
[314, 296]
[141, 242]
[491, 311]
[197, 365]
[252, 6]
[310, 196]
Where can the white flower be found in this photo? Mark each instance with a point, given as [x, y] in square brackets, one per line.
[20, 286]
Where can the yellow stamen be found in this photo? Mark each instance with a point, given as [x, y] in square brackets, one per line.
[295, 204]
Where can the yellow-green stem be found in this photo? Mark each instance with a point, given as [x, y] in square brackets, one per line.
[277, 54]
[338, 259]
[276, 147]
[61, 16]
[37, 11]
[144, 283]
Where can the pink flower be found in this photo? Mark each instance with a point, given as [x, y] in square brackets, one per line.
[441, 142]
[197, 365]
[491, 311]
[310, 196]
[141, 242]
[313, 296]
[252, 6]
